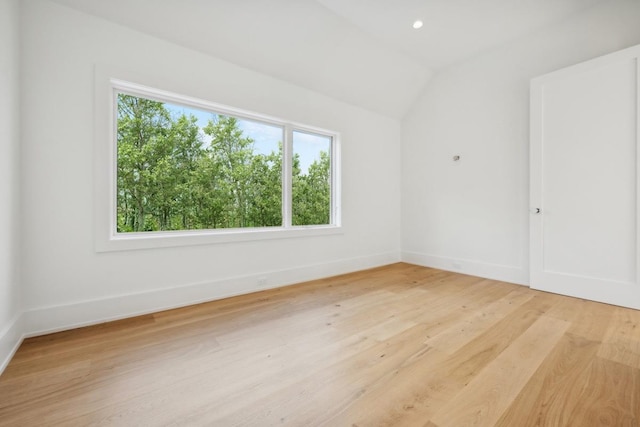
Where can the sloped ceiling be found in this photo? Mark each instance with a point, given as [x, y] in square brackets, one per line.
[453, 29]
[363, 52]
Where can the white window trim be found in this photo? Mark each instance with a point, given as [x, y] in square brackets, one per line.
[106, 238]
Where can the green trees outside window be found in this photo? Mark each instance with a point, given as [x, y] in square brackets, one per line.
[311, 188]
[179, 171]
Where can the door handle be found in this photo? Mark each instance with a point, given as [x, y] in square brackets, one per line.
[536, 210]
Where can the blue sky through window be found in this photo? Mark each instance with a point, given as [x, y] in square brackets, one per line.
[266, 136]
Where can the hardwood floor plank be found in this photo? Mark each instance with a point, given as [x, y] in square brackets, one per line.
[622, 341]
[485, 398]
[455, 337]
[325, 391]
[549, 397]
[589, 319]
[399, 345]
[608, 396]
[413, 394]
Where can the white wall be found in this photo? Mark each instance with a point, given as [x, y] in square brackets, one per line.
[68, 283]
[9, 148]
[472, 215]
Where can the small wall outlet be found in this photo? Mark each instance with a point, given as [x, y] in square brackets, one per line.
[262, 281]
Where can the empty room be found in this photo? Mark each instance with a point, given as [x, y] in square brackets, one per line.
[320, 213]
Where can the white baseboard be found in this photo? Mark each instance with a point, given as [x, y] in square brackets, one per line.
[503, 273]
[10, 339]
[44, 320]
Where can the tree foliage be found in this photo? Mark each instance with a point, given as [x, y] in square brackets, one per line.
[168, 178]
[312, 192]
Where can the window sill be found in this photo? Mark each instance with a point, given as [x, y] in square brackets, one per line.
[167, 239]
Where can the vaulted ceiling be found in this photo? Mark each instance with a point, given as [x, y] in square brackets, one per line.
[364, 52]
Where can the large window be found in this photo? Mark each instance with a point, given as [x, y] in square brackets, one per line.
[185, 167]
[172, 170]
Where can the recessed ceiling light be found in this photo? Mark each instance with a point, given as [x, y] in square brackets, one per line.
[417, 24]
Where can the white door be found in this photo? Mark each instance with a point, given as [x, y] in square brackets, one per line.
[584, 180]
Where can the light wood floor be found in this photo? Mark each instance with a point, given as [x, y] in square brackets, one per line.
[395, 346]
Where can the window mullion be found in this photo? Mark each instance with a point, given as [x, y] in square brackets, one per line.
[287, 173]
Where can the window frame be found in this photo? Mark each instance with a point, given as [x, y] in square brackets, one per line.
[107, 238]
